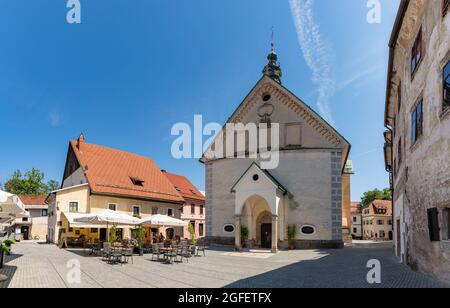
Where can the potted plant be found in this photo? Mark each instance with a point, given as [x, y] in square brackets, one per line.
[244, 236]
[191, 230]
[292, 231]
[113, 235]
[5, 248]
[140, 237]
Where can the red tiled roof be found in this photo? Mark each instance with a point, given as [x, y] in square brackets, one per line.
[29, 200]
[184, 186]
[383, 204]
[356, 208]
[110, 171]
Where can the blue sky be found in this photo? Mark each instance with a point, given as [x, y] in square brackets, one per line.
[132, 69]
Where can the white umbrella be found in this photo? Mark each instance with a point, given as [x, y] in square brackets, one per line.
[11, 206]
[163, 221]
[108, 217]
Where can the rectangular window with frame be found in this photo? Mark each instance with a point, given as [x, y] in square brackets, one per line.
[73, 207]
[202, 209]
[416, 52]
[154, 211]
[192, 209]
[170, 212]
[136, 210]
[446, 86]
[44, 213]
[112, 206]
[433, 224]
[417, 122]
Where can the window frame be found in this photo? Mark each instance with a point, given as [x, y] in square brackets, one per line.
[202, 209]
[445, 106]
[136, 207]
[42, 212]
[70, 208]
[417, 50]
[115, 206]
[173, 212]
[416, 134]
[192, 209]
[445, 6]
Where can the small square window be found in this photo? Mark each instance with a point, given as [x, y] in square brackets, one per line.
[73, 207]
[112, 206]
[170, 212]
[154, 211]
[137, 182]
[44, 213]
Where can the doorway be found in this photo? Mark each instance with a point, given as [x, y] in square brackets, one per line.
[102, 235]
[25, 232]
[266, 236]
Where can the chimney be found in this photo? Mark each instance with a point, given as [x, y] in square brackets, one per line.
[80, 141]
[163, 171]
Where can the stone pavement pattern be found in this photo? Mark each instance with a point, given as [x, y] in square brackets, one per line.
[42, 266]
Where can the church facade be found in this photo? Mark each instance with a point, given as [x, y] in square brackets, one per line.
[299, 199]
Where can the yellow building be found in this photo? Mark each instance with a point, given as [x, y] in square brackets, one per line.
[97, 178]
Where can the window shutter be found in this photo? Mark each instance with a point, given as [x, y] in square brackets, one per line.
[433, 224]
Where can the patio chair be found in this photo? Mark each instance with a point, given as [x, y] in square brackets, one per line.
[106, 251]
[128, 254]
[172, 255]
[184, 252]
[201, 248]
[148, 248]
[156, 252]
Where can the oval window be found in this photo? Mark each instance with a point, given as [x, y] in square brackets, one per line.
[308, 230]
[266, 97]
[255, 177]
[228, 228]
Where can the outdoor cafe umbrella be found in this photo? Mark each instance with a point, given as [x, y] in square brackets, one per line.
[10, 208]
[163, 221]
[109, 217]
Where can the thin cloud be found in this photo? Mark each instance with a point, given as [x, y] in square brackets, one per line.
[368, 73]
[316, 52]
[55, 119]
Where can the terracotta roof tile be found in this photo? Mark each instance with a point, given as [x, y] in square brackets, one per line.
[30, 200]
[184, 186]
[121, 173]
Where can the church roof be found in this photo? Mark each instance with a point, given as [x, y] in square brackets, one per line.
[269, 176]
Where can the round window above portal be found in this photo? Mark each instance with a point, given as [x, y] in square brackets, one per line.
[307, 230]
[255, 177]
[228, 228]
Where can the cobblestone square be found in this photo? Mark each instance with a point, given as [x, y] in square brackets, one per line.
[43, 266]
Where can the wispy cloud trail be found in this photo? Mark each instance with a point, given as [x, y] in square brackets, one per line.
[316, 52]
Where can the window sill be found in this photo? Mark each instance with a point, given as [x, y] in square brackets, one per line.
[417, 144]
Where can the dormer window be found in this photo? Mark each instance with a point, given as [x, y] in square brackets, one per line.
[177, 188]
[137, 182]
[192, 192]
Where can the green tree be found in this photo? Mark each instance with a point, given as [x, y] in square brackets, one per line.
[376, 194]
[31, 183]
